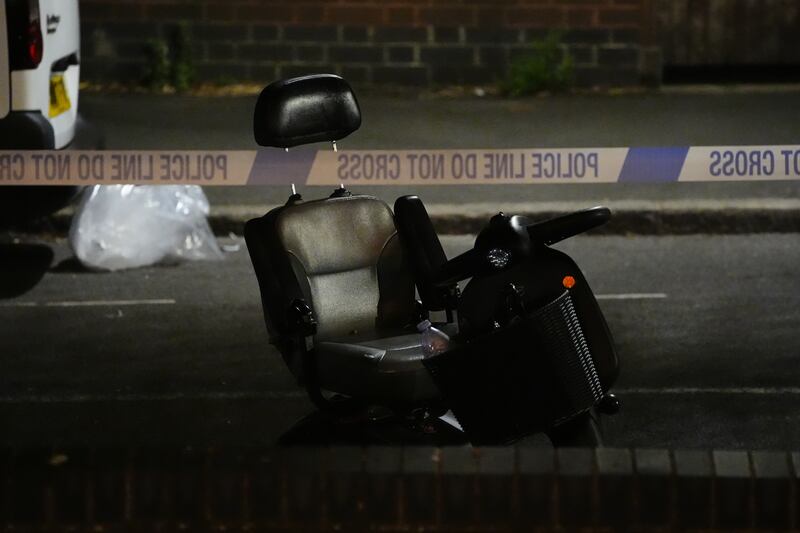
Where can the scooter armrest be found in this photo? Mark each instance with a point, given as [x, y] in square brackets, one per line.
[461, 267]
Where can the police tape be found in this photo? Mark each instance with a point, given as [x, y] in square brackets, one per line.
[401, 167]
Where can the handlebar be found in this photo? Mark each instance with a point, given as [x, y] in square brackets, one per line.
[515, 238]
[566, 226]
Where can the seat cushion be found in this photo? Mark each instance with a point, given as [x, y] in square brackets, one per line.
[387, 370]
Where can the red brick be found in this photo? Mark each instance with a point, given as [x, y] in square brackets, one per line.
[400, 15]
[620, 17]
[354, 15]
[536, 17]
[491, 16]
[220, 12]
[309, 13]
[581, 17]
[265, 13]
[448, 16]
[100, 11]
[498, 3]
[174, 11]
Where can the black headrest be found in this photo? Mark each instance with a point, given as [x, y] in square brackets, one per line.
[320, 107]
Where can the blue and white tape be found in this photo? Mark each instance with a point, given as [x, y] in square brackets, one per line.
[402, 167]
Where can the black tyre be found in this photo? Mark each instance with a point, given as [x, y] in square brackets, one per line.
[19, 204]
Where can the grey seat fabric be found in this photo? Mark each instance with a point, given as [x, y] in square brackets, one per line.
[349, 264]
[344, 258]
[385, 369]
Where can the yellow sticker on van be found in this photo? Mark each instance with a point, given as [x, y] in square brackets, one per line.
[59, 101]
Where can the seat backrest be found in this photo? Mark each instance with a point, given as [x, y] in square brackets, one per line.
[342, 256]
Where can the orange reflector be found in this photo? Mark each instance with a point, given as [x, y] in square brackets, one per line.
[568, 282]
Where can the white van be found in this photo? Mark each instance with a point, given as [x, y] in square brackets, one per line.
[39, 81]
[39, 73]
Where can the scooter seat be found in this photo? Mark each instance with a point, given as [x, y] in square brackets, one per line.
[385, 369]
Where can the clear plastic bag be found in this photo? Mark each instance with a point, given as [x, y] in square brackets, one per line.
[128, 226]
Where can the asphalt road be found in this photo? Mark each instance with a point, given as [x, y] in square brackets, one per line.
[706, 328]
[136, 121]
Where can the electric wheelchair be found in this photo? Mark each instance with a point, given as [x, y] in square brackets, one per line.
[345, 279]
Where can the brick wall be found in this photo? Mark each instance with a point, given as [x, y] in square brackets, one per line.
[719, 32]
[396, 489]
[408, 42]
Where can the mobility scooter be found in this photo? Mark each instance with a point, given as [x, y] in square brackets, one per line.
[530, 351]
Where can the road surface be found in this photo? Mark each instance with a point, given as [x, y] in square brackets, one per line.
[706, 328]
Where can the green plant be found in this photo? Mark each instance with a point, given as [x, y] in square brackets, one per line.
[181, 68]
[169, 63]
[157, 64]
[546, 69]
